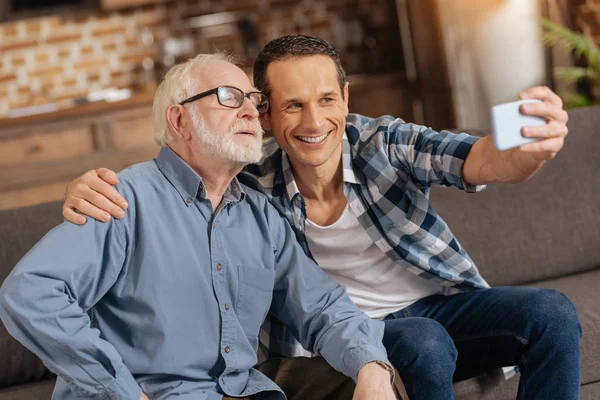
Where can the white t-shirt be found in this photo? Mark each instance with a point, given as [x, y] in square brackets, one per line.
[375, 283]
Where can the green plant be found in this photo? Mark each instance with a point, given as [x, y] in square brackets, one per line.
[584, 49]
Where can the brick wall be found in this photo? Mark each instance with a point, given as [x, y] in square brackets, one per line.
[60, 57]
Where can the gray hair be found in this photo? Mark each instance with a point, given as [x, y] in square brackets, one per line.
[177, 85]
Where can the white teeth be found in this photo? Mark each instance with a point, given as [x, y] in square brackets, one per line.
[310, 139]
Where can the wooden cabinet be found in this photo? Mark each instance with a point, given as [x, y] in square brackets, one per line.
[118, 4]
[46, 145]
[40, 155]
[139, 129]
[385, 94]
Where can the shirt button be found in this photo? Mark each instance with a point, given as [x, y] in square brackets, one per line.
[214, 226]
[227, 349]
[188, 200]
[227, 307]
[219, 267]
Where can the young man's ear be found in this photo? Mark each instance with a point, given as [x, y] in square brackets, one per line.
[179, 121]
[265, 121]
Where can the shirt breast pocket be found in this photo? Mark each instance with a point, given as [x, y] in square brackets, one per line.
[255, 293]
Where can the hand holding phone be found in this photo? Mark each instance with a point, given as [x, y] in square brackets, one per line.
[507, 122]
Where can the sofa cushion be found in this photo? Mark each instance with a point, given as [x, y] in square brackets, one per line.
[582, 290]
[20, 229]
[31, 391]
[491, 386]
[507, 390]
[541, 229]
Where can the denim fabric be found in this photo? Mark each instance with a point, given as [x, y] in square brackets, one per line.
[441, 339]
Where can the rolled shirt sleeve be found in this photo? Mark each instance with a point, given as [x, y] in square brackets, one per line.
[317, 309]
[44, 304]
[430, 157]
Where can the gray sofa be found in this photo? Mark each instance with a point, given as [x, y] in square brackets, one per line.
[544, 233]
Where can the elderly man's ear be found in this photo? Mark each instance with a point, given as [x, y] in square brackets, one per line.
[180, 122]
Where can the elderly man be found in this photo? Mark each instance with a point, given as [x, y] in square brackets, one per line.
[355, 189]
[168, 301]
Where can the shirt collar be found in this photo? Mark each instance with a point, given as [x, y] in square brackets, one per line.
[186, 181]
[347, 170]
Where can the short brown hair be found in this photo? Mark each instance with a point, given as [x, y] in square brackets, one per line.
[293, 46]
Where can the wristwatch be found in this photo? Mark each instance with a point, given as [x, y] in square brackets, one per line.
[387, 367]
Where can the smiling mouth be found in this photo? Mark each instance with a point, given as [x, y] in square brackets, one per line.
[313, 139]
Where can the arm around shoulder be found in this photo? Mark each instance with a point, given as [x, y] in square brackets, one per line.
[93, 195]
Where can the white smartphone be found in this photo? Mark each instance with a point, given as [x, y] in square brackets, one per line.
[507, 122]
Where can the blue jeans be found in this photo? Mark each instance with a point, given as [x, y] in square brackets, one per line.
[443, 339]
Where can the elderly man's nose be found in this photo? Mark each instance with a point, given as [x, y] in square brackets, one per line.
[248, 109]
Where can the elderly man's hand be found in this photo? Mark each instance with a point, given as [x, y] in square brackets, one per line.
[93, 195]
[554, 132]
[144, 397]
[373, 382]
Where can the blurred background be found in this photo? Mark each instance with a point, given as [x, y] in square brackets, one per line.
[77, 77]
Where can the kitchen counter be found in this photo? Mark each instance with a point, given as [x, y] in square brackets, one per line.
[41, 153]
[359, 85]
[85, 110]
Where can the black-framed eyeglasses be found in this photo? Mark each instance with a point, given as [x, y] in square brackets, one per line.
[233, 97]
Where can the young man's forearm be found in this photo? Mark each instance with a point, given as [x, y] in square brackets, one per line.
[485, 164]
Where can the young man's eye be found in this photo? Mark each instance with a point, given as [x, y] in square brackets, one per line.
[327, 100]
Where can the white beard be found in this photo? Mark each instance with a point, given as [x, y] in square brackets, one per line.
[222, 144]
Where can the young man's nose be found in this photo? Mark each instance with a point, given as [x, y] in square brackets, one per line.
[312, 118]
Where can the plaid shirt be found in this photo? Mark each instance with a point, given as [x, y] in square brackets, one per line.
[388, 167]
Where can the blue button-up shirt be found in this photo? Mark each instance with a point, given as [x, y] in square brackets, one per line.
[170, 299]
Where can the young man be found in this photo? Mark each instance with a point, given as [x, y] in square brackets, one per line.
[355, 189]
[168, 301]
